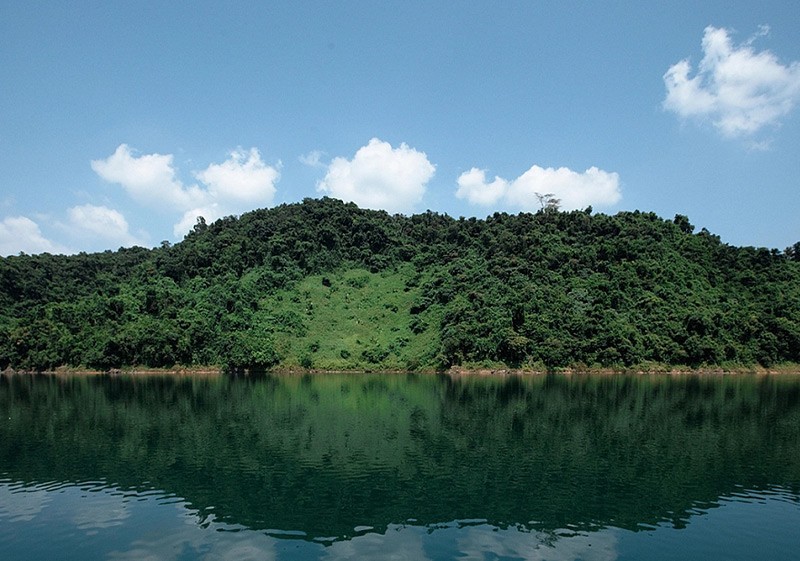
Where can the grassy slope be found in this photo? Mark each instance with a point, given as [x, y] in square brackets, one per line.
[360, 321]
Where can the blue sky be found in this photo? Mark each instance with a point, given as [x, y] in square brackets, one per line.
[120, 123]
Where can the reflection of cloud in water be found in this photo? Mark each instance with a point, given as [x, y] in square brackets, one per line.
[482, 542]
[163, 531]
[203, 545]
[476, 542]
[103, 510]
[189, 538]
[399, 543]
[166, 528]
[21, 504]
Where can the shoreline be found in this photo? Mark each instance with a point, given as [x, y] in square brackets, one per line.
[457, 371]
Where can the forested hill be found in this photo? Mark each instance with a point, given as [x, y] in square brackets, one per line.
[324, 284]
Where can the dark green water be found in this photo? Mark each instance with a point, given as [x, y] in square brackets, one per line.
[400, 467]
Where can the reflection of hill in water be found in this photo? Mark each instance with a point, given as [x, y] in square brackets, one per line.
[326, 454]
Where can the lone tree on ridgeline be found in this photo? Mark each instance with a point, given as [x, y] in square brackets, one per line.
[548, 201]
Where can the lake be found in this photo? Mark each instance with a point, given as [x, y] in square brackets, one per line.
[388, 466]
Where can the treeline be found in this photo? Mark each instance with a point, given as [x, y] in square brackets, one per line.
[548, 289]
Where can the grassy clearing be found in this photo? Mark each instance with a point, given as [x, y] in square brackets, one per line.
[352, 319]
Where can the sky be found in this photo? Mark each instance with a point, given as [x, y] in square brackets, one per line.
[122, 122]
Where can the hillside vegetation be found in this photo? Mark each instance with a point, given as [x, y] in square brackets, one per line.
[324, 284]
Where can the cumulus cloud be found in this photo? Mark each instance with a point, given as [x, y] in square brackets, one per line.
[575, 190]
[379, 177]
[740, 90]
[242, 177]
[20, 233]
[149, 178]
[472, 186]
[100, 222]
[238, 184]
[99, 225]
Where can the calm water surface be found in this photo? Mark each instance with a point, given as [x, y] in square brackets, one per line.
[400, 467]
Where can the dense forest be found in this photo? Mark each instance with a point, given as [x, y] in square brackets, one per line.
[324, 284]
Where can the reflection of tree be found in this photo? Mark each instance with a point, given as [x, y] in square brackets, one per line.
[324, 454]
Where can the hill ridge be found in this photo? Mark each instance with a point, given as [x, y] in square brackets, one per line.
[267, 289]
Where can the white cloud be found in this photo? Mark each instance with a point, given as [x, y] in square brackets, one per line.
[575, 190]
[103, 226]
[242, 177]
[313, 159]
[101, 222]
[239, 184]
[740, 90]
[149, 179]
[20, 233]
[472, 186]
[380, 177]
